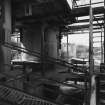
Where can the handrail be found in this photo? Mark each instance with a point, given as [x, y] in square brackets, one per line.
[37, 54]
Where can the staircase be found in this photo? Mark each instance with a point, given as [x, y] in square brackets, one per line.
[17, 97]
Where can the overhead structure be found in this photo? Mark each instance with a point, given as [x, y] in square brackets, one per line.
[53, 11]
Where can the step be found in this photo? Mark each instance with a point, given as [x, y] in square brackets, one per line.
[102, 91]
[102, 101]
[102, 81]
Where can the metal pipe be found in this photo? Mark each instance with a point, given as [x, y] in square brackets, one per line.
[67, 48]
[91, 62]
[43, 50]
[101, 48]
[75, 33]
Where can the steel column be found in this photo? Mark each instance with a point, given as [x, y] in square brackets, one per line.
[91, 61]
[67, 48]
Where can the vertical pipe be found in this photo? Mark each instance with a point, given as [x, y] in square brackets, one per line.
[98, 90]
[91, 62]
[43, 50]
[101, 49]
[67, 48]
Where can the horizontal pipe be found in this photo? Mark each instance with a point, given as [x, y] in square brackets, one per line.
[87, 20]
[83, 32]
[89, 4]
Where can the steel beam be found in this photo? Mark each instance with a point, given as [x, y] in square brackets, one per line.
[84, 11]
[87, 20]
